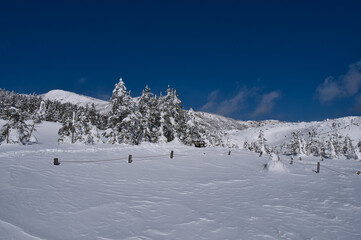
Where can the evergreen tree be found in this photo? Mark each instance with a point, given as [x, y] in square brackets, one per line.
[296, 145]
[261, 146]
[67, 131]
[149, 116]
[348, 149]
[16, 130]
[118, 123]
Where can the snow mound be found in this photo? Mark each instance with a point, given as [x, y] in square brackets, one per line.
[74, 98]
[275, 164]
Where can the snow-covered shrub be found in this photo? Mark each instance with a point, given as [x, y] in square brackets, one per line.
[275, 164]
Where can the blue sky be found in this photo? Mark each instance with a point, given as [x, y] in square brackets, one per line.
[250, 60]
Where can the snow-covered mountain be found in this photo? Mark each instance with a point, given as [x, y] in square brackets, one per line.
[74, 98]
[236, 132]
[279, 134]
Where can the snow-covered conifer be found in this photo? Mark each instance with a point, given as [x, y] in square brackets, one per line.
[261, 146]
[348, 149]
[16, 130]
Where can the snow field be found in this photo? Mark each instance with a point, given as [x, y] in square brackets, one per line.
[199, 194]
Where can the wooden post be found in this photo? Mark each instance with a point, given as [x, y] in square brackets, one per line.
[229, 153]
[171, 154]
[56, 161]
[130, 159]
[318, 167]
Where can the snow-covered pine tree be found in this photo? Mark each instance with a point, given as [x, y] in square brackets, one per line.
[313, 147]
[261, 146]
[16, 130]
[40, 114]
[78, 128]
[172, 117]
[296, 145]
[85, 131]
[122, 107]
[194, 132]
[149, 116]
[336, 146]
[246, 145]
[67, 131]
[348, 149]
[166, 119]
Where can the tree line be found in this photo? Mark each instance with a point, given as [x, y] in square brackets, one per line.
[148, 118]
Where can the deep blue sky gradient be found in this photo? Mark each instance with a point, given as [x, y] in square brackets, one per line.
[210, 51]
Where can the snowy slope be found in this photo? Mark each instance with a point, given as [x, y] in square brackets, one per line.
[199, 194]
[278, 133]
[74, 98]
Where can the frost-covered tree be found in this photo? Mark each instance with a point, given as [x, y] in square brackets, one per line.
[261, 146]
[118, 122]
[16, 130]
[348, 149]
[149, 116]
[79, 129]
[313, 147]
[170, 108]
[296, 145]
[67, 131]
[122, 103]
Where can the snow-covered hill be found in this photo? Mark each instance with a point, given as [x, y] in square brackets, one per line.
[199, 194]
[278, 134]
[77, 99]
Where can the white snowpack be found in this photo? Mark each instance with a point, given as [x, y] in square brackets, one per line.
[202, 193]
[78, 99]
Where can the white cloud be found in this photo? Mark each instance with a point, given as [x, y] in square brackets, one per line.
[211, 101]
[329, 90]
[345, 86]
[240, 102]
[82, 80]
[267, 104]
[352, 79]
[225, 107]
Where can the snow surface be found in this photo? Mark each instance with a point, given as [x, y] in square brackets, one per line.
[74, 98]
[278, 133]
[199, 194]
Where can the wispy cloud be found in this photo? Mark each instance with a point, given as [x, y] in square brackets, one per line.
[343, 87]
[225, 107]
[82, 80]
[267, 104]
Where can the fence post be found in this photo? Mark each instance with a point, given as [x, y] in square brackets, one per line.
[130, 159]
[171, 154]
[318, 167]
[229, 153]
[56, 161]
